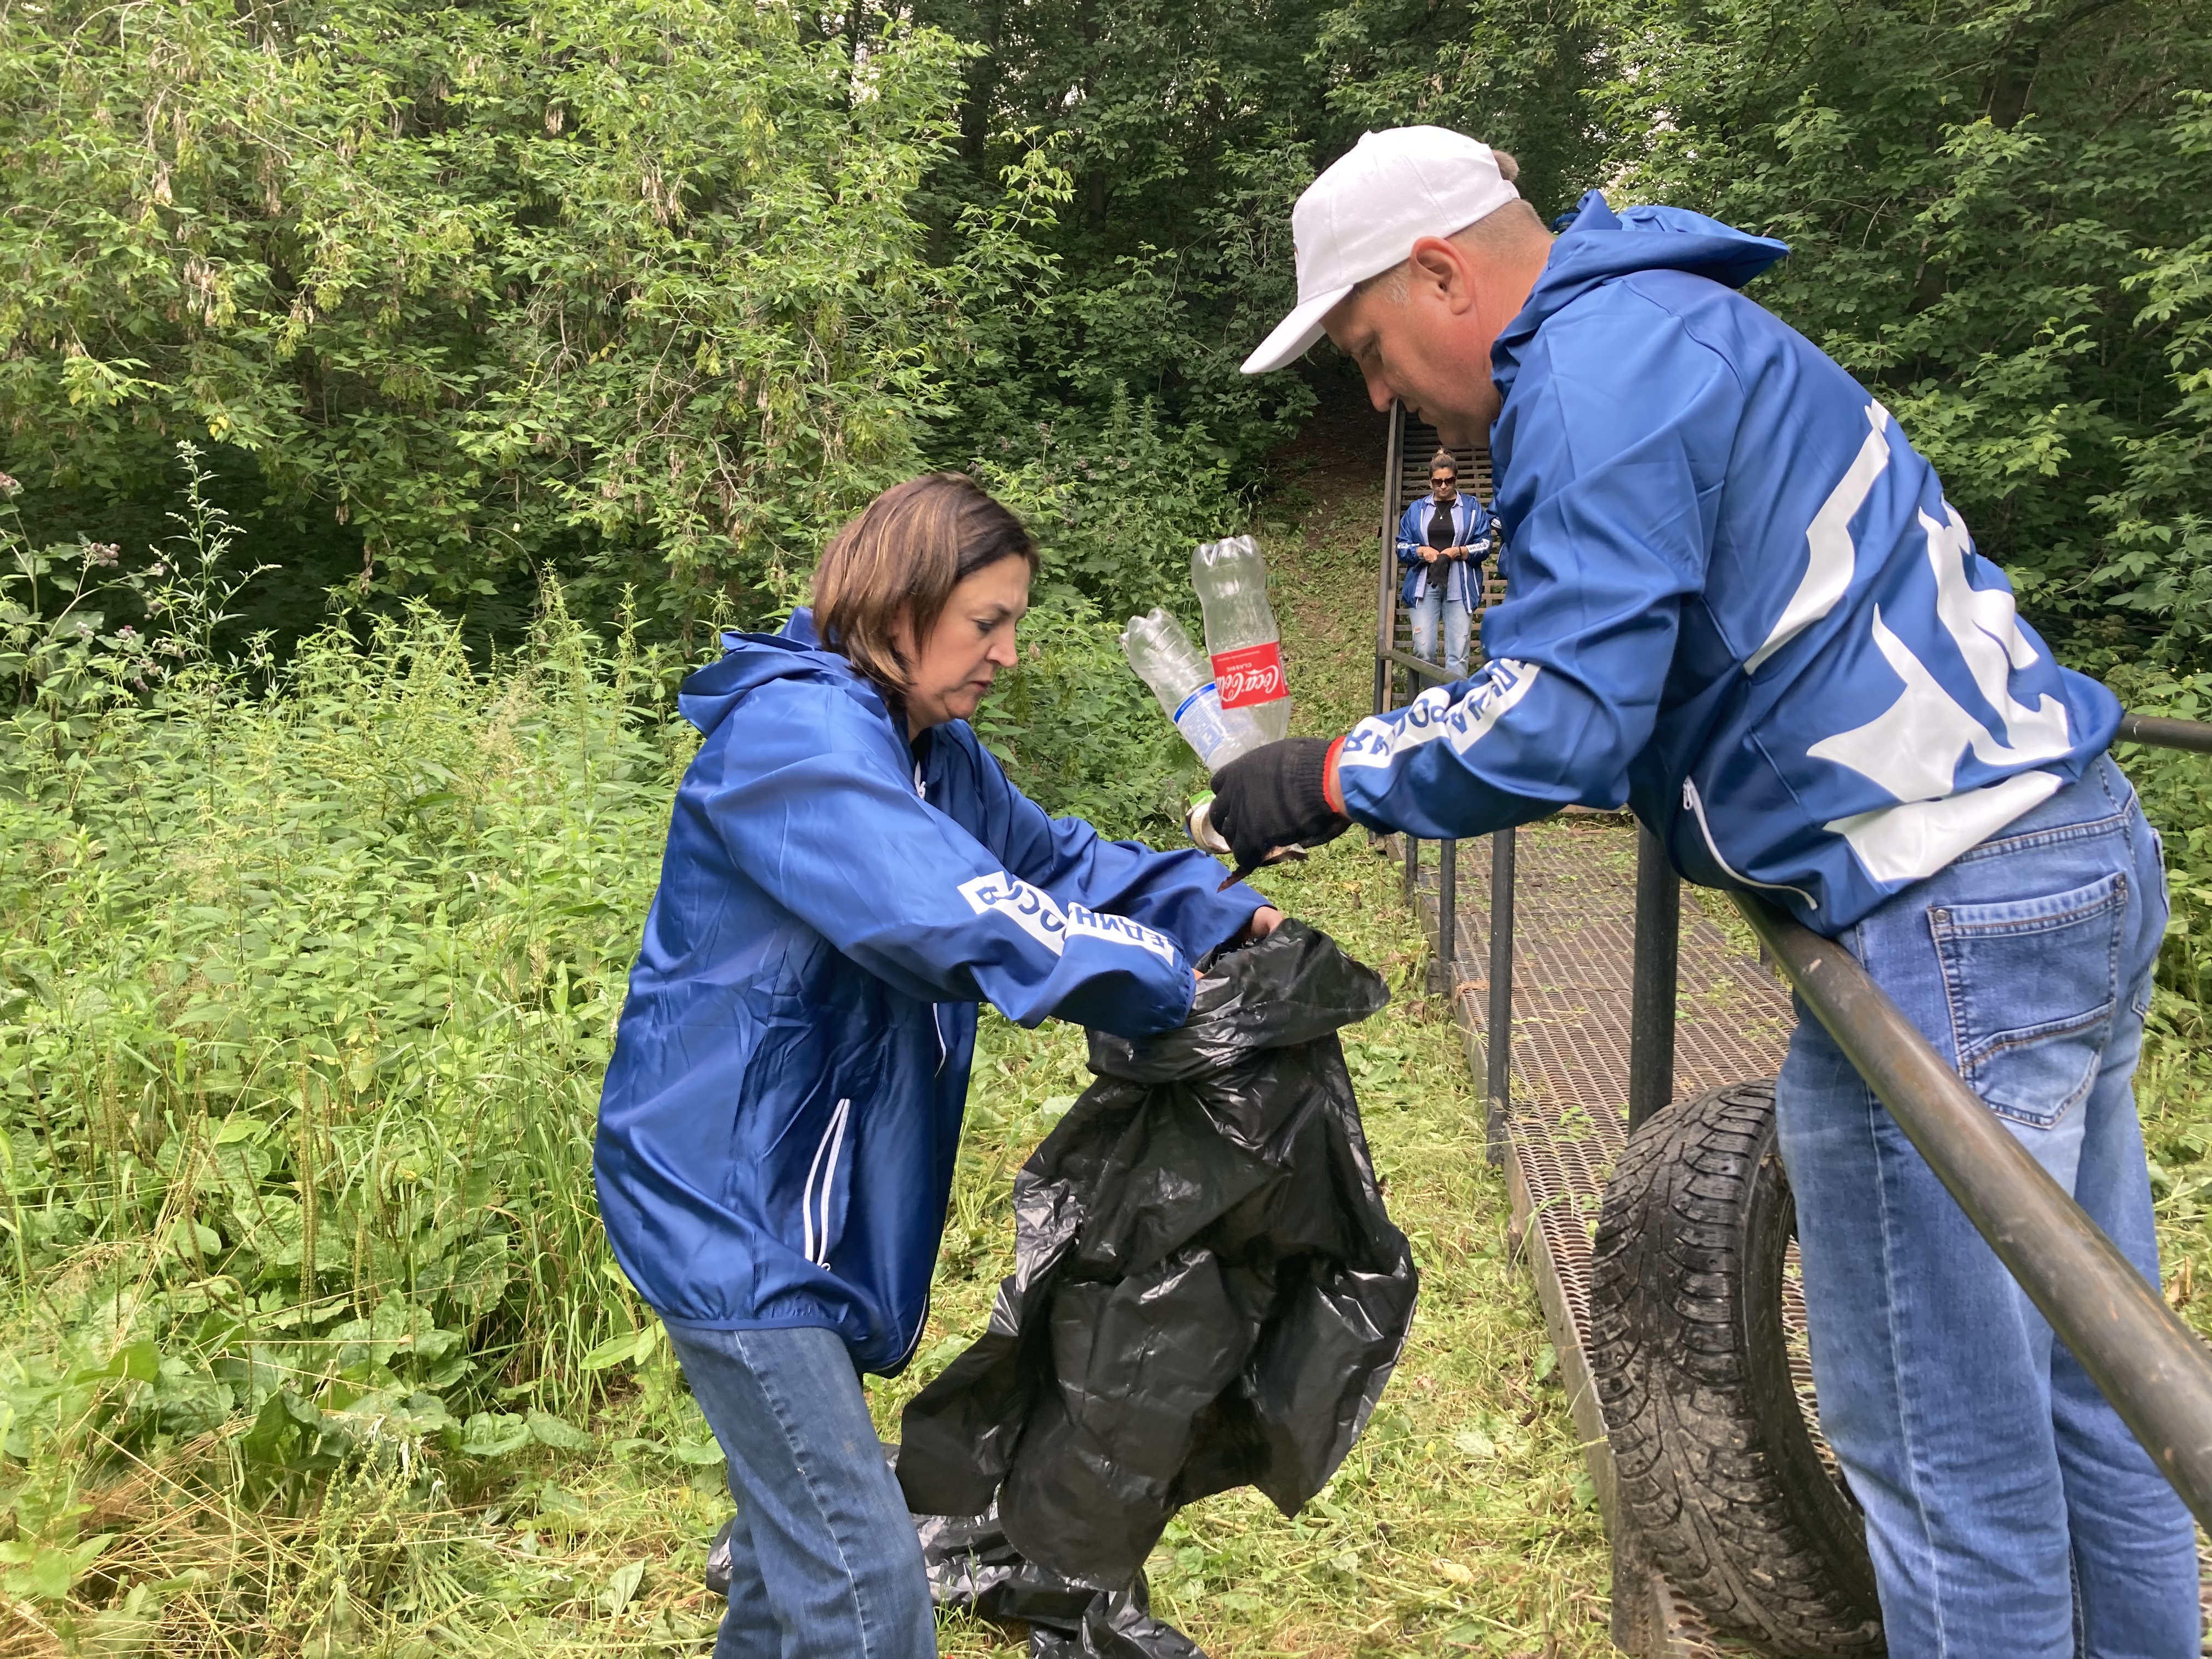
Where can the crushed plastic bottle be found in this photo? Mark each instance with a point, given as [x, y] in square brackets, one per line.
[1166, 661]
[1231, 580]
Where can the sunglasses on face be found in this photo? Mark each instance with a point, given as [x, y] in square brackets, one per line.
[1444, 483]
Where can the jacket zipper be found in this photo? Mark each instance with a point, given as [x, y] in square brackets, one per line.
[832, 1142]
[1690, 800]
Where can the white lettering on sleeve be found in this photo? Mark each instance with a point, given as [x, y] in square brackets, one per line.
[1377, 741]
[1119, 930]
[1038, 915]
[1032, 911]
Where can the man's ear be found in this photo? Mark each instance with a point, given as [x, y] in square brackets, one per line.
[1443, 268]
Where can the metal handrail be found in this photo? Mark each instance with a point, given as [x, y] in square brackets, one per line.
[1428, 671]
[2157, 732]
[2143, 1357]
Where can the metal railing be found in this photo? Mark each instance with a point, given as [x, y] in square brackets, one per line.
[2138, 1351]
[2140, 1354]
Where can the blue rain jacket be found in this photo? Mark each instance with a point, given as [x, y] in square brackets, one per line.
[1472, 529]
[779, 1124]
[1736, 600]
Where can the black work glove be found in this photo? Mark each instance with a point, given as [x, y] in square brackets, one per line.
[1273, 797]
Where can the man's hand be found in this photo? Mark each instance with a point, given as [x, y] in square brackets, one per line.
[1276, 797]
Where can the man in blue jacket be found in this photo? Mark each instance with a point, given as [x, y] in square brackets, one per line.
[1443, 539]
[1739, 603]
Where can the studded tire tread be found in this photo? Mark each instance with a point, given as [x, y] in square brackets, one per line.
[1712, 1458]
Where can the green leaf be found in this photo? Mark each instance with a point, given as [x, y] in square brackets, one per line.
[138, 1362]
[622, 1588]
[551, 1430]
[616, 1349]
[1474, 1442]
[494, 1434]
[54, 1568]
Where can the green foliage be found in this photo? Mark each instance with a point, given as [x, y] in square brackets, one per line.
[638, 285]
[1078, 732]
[1998, 214]
[1185, 133]
[1519, 77]
[307, 994]
[1117, 505]
[2177, 795]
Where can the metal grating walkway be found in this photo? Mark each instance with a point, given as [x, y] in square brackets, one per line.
[1575, 903]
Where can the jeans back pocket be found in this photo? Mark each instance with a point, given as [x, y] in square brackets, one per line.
[2033, 985]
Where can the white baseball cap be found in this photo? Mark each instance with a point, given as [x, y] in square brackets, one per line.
[1363, 216]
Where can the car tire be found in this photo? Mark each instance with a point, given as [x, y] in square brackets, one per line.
[1715, 1458]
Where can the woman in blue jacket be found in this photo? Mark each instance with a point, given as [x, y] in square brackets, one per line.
[1443, 539]
[849, 874]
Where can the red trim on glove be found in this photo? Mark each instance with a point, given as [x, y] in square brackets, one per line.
[1331, 790]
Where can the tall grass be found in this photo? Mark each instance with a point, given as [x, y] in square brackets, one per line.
[308, 981]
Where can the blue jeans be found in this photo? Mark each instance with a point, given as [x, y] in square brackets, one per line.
[2004, 1499]
[1457, 620]
[824, 1560]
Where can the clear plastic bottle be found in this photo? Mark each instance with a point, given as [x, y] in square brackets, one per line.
[1231, 580]
[1165, 659]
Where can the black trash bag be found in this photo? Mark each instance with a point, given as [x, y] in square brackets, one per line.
[1207, 1290]
[972, 1565]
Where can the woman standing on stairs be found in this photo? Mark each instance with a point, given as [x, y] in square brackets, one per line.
[1443, 539]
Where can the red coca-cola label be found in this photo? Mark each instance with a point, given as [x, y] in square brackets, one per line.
[1254, 674]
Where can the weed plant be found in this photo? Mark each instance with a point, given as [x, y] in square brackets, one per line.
[308, 977]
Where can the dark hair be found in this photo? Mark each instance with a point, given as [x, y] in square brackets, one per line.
[1443, 458]
[901, 559]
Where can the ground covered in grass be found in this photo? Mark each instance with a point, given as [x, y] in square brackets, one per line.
[1463, 1521]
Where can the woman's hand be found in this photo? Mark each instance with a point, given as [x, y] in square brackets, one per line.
[1428, 556]
[1265, 921]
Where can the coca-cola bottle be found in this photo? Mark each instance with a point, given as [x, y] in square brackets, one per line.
[1166, 661]
[1231, 580]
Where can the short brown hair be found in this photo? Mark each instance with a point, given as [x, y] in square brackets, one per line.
[901, 559]
[1443, 458]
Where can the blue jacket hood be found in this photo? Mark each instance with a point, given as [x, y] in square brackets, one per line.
[750, 661]
[1599, 244]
